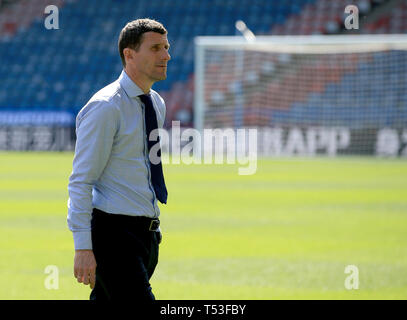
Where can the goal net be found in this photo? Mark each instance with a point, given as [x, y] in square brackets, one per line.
[306, 95]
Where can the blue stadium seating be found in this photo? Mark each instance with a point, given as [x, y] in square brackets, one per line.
[61, 69]
[366, 97]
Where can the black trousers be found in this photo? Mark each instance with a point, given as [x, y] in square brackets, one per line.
[126, 254]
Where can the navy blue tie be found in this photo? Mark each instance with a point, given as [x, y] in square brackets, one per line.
[157, 176]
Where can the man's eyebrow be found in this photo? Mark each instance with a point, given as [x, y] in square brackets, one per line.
[159, 44]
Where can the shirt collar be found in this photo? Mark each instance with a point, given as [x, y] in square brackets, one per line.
[129, 86]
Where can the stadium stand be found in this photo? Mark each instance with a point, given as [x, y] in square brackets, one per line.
[319, 17]
[376, 97]
[297, 95]
[393, 21]
[66, 66]
[60, 69]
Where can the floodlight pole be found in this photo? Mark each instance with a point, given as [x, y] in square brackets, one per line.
[239, 73]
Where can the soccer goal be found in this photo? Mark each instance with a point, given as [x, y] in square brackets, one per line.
[306, 95]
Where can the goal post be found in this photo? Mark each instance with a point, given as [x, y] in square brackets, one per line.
[306, 95]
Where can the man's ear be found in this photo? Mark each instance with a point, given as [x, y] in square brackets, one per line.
[128, 54]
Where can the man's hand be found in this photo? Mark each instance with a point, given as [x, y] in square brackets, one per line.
[85, 267]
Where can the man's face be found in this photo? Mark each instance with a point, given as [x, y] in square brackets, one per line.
[149, 62]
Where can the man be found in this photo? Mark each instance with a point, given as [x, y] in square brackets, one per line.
[116, 182]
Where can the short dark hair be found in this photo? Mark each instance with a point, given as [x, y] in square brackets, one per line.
[131, 35]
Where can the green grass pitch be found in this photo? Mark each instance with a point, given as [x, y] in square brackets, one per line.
[286, 232]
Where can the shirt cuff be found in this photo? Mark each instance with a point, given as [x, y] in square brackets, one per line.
[82, 240]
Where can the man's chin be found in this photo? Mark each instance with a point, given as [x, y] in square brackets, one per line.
[162, 77]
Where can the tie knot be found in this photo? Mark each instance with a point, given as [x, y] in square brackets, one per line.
[145, 97]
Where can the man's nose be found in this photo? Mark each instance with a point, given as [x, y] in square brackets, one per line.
[167, 56]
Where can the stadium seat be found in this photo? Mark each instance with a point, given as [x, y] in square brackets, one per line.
[72, 63]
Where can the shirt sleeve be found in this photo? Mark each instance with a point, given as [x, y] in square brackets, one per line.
[96, 126]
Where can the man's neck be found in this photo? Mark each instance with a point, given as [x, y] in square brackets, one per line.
[144, 85]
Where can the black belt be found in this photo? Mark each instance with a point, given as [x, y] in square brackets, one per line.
[144, 223]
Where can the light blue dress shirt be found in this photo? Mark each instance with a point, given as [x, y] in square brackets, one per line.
[110, 166]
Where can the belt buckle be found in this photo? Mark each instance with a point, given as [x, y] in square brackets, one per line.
[154, 224]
